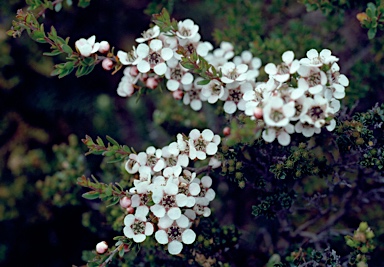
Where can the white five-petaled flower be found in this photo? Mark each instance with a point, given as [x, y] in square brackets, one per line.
[282, 134]
[206, 195]
[232, 73]
[213, 91]
[153, 57]
[152, 158]
[281, 73]
[277, 113]
[176, 75]
[193, 95]
[86, 47]
[253, 63]
[202, 144]
[314, 59]
[128, 58]
[187, 29]
[316, 111]
[149, 34]
[137, 228]
[234, 96]
[175, 233]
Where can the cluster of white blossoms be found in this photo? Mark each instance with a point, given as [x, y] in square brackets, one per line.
[299, 96]
[167, 193]
[304, 107]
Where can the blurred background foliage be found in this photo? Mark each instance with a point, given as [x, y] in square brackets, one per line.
[43, 219]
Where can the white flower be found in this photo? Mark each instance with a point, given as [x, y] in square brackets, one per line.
[281, 73]
[207, 194]
[316, 111]
[130, 58]
[213, 91]
[86, 47]
[132, 165]
[202, 144]
[126, 86]
[234, 97]
[175, 235]
[315, 60]
[193, 95]
[282, 134]
[220, 55]
[177, 74]
[172, 156]
[187, 29]
[137, 228]
[253, 63]
[149, 34]
[232, 73]
[306, 129]
[311, 79]
[278, 113]
[152, 158]
[153, 57]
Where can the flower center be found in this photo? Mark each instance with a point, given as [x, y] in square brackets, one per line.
[314, 79]
[154, 58]
[168, 201]
[235, 95]
[276, 115]
[138, 227]
[174, 233]
[176, 74]
[185, 32]
[316, 113]
[200, 144]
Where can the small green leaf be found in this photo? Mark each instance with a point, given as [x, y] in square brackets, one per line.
[67, 49]
[372, 33]
[58, 7]
[203, 82]
[53, 53]
[91, 195]
[113, 141]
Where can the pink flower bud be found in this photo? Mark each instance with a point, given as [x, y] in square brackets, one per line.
[101, 247]
[130, 210]
[151, 83]
[226, 131]
[133, 71]
[104, 47]
[107, 64]
[178, 94]
[125, 202]
[258, 113]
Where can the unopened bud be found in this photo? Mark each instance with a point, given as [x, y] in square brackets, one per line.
[125, 202]
[258, 113]
[133, 71]
[130, 210]
[151, 83]
[104, 47]
[178, 94]
[226, 131]
[101, 247]
[107, 64]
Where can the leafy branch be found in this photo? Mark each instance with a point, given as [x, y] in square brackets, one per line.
[163, 20]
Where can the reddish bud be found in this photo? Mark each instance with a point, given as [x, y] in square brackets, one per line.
[107, 64]
[130, 210]
[134, 71]
[226, 131]
[178, 94]
[101, 247]
[125, 202]
[258, 113]
[151, 83]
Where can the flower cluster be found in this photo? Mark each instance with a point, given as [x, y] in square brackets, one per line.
[300, 96]
[167, 196]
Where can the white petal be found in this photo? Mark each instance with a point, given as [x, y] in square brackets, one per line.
[201, 155]
[174, 213]
[148, 228]
[211, 149]
[156, 45]
[343, 80]
[166, 53]
[142, 50]
[206, 181]
[230, 107]
[143, 66]
[139, 238]
[269, 135]
[190, 202]
[194, 134]
[188, 236]
[207, 135]
[284, 139]
[161, 237]
[165, 222]
[175, 247]
[316, 89]
[141, 212]
[181, 200]
[194, 189]
[128, 232]
[312, 54]
[210, 194]
[196, 104]
[135, 201]
[288, 57]
[187, 78]
[159, 69]
[158, 210]
[129, 219]
[270, 69]
[183, 221]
